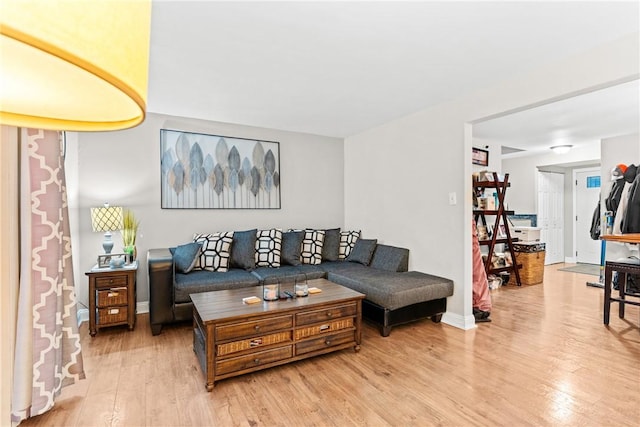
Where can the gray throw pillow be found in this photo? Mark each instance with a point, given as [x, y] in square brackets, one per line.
[363, 251]
[331, 245]
[291, 245]
[243, 249]
[186, 256]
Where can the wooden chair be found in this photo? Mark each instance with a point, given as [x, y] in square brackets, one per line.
[623, 268]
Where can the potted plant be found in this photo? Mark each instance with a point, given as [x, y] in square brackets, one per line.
[129, 231]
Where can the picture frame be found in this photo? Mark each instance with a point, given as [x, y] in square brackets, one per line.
[479, 156]
[104, 260]
[203, 171]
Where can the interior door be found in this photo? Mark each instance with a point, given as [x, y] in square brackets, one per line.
[587, 187]
[551, 215]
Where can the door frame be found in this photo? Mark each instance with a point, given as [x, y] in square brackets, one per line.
[573, 259]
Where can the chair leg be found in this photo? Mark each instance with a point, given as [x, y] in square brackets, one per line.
[607, 294]
[622, 288]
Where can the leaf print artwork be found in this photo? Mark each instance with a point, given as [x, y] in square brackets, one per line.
[200, 171]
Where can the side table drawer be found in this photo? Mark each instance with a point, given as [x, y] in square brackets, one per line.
[326, 314]
[247, 329]
[107, 316]
[325, 342]
[253, 360]
[113, 296]
[111, 281]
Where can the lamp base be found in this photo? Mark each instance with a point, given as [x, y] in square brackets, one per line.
[107, 244]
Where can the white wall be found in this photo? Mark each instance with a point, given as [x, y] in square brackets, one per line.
[625, 150]
[123, 168]
[495, 155]
[523, 173]
[398, 175]
[9, 264]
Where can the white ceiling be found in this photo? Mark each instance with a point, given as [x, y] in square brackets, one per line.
[338, 68]
[575, 121]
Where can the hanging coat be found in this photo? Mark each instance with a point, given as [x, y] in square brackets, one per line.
[613, 199]
[595, 223]
[631, 219]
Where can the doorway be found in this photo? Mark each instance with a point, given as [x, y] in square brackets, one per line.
[551, 215]
[587, 195]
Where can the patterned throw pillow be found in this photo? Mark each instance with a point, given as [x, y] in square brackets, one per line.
[216, 251]
[268, 248]
[311, 252]
[347, 242]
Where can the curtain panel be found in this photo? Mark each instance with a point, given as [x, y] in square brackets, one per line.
[48, 355]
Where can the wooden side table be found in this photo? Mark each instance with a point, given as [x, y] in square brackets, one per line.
[112, 297]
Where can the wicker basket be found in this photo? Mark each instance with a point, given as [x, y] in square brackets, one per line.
[532, 271]
[325, 327]
[113, 296]
[107, 316]
[235, 346]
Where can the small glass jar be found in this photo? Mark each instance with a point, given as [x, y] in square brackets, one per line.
[271, 292]
[301, 288]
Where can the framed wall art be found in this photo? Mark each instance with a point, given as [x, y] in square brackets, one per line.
[479, 156]
[201, 171]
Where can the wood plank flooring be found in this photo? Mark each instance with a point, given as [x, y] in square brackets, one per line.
[545, 360]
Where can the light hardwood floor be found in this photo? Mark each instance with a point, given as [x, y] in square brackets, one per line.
[546, 359]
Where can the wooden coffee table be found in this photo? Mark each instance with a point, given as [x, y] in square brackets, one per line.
[232, 338]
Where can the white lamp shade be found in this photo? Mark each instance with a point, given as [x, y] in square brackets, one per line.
[74, 65]
[108, 218]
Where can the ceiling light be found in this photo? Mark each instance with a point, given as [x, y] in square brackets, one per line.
[74, 65]
[561, 149]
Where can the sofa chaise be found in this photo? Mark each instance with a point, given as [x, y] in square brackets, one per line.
[393, 294]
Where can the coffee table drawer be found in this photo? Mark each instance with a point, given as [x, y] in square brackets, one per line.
[254, 360]
[326, 314]
[326, 341]
[247, 329]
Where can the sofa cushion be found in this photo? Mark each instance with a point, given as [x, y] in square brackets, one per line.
[243, 249]
[348, 240]
[311, 252]
[186, 256]
[283, 274]
[215, 252]
[363, 251]
[288, 274]
[268, 248]
[394, 290]
[331, 245]
[390, 258]
[311, 272]
[205, 281]
[291, 245]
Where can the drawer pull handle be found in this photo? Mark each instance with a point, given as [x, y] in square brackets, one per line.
[256, 361]
[328, 342]
[329, 314]
[324, 328]
[114, 311]
[110, 280]
[112, 294]
[257, 327]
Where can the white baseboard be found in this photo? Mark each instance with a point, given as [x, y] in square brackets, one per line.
[458, 321]
[142, 307]
[83, 313]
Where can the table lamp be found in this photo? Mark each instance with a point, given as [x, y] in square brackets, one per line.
[107, 219]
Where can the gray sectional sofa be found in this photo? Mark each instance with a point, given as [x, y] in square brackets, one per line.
[393, 294]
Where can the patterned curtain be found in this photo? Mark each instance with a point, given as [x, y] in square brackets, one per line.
[47, 353]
